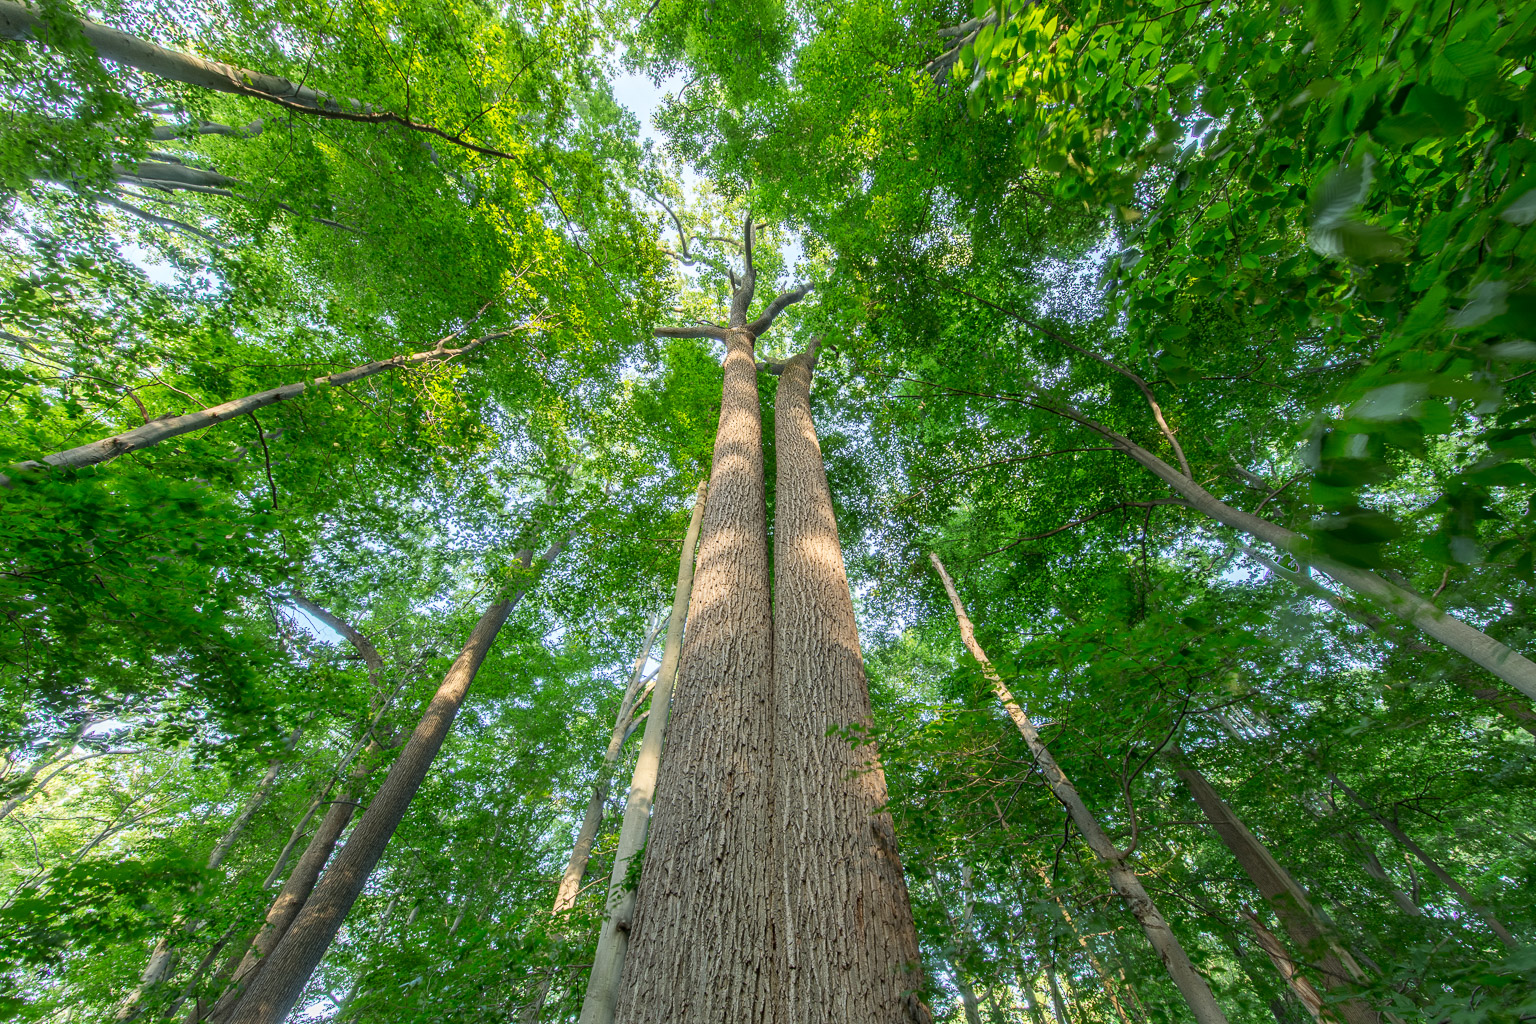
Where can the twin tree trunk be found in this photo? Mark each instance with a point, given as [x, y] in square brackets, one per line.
[771, 890]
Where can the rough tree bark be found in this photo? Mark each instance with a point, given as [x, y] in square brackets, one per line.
[166, 427]
[1435, 867]
[286, 971]
[613, 940]
[1311, 935]
[846, 935]
[702, 948]
[1191, 984]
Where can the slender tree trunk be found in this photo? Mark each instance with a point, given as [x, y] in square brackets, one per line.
[1299, 985]
[1373, 867]
[967, 995]
[1058, 1004]
[166, 954]
[1192, 985]
[701, 948]
[1310, 934]
[287, 970]
[1467, 899]
[1082, 942]
[613, 940]
[1505, 663]
[166, 427]
[576, 867]
[1517, 711]
[846, 932]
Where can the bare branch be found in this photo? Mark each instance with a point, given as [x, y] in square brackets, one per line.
[777, 306]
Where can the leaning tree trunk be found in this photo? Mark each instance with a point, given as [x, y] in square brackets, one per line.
[1446, 878]
[846, 933]
[701, 949]
[287, 970]
[613, 940]
[1336, 968]
[1192, 985]
[1299, 985]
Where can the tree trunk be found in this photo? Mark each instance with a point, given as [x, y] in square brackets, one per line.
[1192, 985]
[1058, 1004]
[166, 427]
[1286, 966]
[287, 970]
[576, 867]
[846, 932]
[1507, 664]
[1310, 934]
[613, 940]
[1509, 705]
[1467, 899]
[1373, 867]
[702, 946]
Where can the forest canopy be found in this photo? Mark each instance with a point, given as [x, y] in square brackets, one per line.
[768, 513]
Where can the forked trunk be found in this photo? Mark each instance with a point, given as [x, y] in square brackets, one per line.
[613, 940]
[1192, 985]
[701, 949]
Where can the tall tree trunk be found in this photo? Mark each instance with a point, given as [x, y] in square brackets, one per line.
[1058, 1004]
[1310, 934]
[287, 970]
[623, 719]
[1373, 867]
[701, 948]
[1517, 711]
[1285, 965]
[1192, 985]
[1467, 899]
[164, 957]
[846, 932]
[613, 940]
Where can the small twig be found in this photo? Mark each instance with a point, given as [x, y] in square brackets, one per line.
[267, 455]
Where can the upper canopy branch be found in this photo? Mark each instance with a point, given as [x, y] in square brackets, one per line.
[743, 288]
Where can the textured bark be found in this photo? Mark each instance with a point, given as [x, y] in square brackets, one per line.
[286, 971]
[845, 928]
[1319, 949]
[1505, 663]
[701, 946]
[1191, 984]
[1286, 966]
[1519, 712]
[613, 940]
[1435, 867]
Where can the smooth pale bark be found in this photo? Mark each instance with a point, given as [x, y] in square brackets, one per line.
[166, 427]
[19, 22]
[1311, 935]
[1272, 946]
[1505, 663]
[701, 946]
[602, 994]
[623, 719]
[1518, 712]
[1058, 1003]
[287, 970]
[1191, 984]
[1467, 899]
[847, 940]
